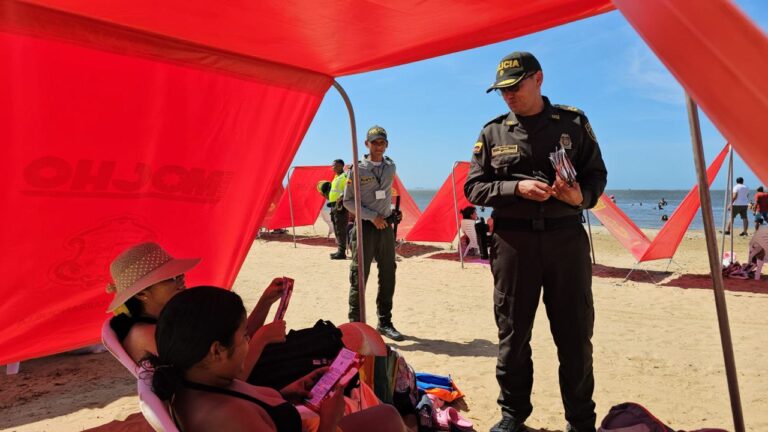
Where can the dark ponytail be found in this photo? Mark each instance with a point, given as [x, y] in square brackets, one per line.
[189, 323]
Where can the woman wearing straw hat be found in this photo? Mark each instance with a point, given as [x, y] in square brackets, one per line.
[145, 277]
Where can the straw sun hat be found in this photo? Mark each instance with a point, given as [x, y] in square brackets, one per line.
[140, 267]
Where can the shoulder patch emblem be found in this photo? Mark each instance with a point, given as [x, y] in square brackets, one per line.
[565, 141]
[478, 147]
[590, 132]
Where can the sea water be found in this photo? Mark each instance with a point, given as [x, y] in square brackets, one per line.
[640, 205]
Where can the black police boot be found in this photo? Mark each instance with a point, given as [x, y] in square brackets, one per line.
[570, 428]
[338, 256]
[508, 424]
[389, 330]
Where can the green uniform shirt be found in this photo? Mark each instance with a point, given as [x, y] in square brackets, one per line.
[511, 149]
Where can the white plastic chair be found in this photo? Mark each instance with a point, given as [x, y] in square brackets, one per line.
[113, 345]
[156, 412]
[758, 242]
[468, 226]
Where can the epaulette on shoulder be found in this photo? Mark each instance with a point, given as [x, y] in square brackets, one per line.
[569, 108]
[498, 119]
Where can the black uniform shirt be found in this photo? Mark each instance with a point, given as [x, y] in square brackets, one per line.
[512, 148]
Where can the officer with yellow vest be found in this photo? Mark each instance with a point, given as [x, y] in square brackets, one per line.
[339, 214]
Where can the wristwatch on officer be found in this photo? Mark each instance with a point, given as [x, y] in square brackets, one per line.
[579, 206]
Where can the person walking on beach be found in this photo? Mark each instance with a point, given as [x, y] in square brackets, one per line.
[339, 214]
[739, 204]
[538, 240]
[760, 210]
[377, 173]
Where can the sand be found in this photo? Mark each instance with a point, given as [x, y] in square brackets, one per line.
[656, 344]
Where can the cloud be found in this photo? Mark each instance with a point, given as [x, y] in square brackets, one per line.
[649, 79]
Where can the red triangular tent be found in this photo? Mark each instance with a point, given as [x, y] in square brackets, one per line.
[301, 197]
[438, 223]
[671, 234]
[128, 121]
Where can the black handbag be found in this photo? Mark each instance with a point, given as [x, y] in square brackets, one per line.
[302, 352]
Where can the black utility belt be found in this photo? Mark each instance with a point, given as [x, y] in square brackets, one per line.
[541, 224]
[389, 219]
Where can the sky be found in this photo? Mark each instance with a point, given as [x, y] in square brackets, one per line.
[433, 110]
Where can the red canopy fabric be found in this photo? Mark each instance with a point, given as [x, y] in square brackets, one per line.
[671, 234]
[704, 44]
[136, 120]
[621, 226]
[438, 222]
[111, 150]
[303, 195]
[411, 212]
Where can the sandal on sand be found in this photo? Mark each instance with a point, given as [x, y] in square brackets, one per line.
[436, 401]
[426, 414]
[450, 419]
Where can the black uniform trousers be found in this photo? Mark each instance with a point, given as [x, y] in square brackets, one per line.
[522, 262]
[378, 244]
[339, 218]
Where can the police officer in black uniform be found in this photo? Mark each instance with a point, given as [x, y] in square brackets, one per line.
[538, 239]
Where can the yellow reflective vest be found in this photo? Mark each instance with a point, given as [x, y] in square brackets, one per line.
[338, 184]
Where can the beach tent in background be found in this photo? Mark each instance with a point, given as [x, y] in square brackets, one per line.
[301, 203]
[411, 212]
[440, 220]
[132, 121]
[276, 196]
[671, 234]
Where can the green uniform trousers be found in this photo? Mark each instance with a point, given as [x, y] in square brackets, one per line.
[378, 244]
[340, 217]
[522, 262]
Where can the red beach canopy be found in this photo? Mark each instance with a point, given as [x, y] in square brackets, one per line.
[125, 121]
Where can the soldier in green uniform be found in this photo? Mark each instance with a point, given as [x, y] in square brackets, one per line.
[538, 240]
[377, 173]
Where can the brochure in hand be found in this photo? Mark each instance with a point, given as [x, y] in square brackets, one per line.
[563, 166]
[284, 299]
[342, 370]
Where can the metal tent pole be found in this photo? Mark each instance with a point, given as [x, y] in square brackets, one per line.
[290, 204]
[456, 212]
[726, 199]
[358, 205]
[591, 245]
[715, 266]
[729, 192]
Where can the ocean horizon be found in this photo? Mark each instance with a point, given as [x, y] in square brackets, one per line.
[639, 204]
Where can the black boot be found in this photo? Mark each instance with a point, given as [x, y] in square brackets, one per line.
[340, 255]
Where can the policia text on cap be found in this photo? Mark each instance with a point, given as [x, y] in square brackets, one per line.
[538, 240]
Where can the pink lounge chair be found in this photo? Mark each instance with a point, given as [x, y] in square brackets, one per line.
[157, 412]
[113, 345]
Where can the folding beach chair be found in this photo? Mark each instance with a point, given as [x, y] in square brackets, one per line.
[113, 345]
[758, 242]
[157, 412]
[326, 216]
[468, 226]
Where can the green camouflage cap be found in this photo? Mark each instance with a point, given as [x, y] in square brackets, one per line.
[375, 133]
[513, 68]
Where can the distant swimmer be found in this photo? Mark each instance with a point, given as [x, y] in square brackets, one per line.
[613, 198]
[664, 217]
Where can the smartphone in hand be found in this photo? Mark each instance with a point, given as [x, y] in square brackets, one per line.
[284, 299]
[342, 370]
